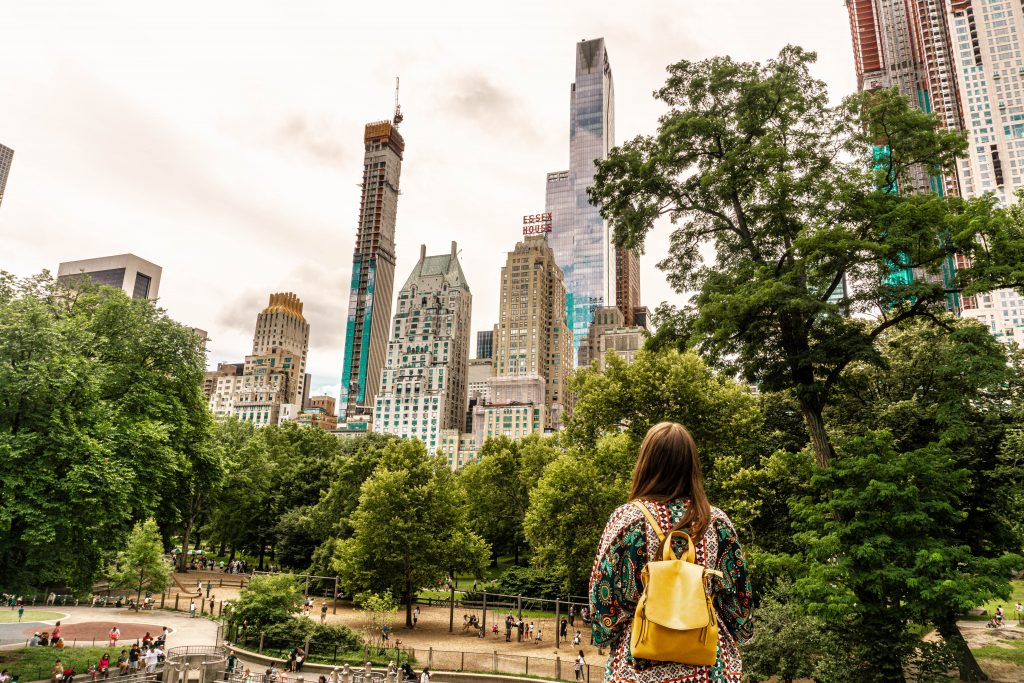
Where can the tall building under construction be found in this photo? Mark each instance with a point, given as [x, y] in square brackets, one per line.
[373, 274]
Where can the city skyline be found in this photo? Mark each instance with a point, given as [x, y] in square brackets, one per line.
[198, 159]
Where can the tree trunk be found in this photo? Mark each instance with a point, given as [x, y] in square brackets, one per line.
[262, 549]
[517, 555]
[231, 558]
[186, 532]
[408, 598]
[969, 668]
[819, 437]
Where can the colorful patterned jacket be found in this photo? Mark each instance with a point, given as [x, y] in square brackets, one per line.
[626, 546]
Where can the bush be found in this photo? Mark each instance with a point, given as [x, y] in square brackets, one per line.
[297, 630]
[267, 600]
[529, 582]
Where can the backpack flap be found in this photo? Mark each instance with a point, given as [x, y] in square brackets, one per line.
[675, 596]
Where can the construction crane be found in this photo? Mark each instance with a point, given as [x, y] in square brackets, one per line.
[398, 108]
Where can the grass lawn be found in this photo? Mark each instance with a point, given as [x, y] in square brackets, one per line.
[10, 616]
[1008, 605]
[1013, 653]
[35, 663]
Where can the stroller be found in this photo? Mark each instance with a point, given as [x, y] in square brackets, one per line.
[407, 672]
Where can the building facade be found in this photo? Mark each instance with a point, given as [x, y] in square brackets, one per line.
[987, 37]
[221, 387]
[596, 274]
[6, 159]
[137, 277]
[485, 344]
[478, 388]
[423, 384]
[274, 374]
[320, 413]
[532, 337]
[373, 272]
[609, 332]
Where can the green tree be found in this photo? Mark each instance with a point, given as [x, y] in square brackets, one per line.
[379, 610]
[753, 159]
[721, 414]
[512, 467]
[141, 565]
[268, 599]
[101, 413]
[571, 504]
[787, 643]
[410, 527]
[881, 530]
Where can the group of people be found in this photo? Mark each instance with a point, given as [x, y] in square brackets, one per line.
[999, 618]
[7, 677]
[307, 608]
[46, 639]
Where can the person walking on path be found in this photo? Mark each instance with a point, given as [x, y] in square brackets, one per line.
[115, 633]
[192, 609]
[21, 612]
[56, 634]
[323, 611]
[580, 663]
[668, 483]
[415, 615]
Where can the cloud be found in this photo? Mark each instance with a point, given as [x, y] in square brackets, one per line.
[475, 97]
[316, 138]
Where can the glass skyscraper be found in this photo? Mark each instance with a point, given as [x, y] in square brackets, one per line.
[579, 237]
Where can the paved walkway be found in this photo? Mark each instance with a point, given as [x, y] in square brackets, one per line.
[85, 624]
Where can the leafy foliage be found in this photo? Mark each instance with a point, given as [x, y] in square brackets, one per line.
[141, 565]
[531, 581]
[410, 527]
[102, 417]
[753, 158]
[267, 600]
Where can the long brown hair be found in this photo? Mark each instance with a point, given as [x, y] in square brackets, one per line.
[667, 468]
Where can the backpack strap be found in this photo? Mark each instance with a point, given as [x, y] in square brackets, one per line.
[651, 519]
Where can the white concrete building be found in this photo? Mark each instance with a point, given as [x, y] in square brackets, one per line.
[137, 277]
[423, 384]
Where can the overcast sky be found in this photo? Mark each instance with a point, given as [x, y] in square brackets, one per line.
[222, 139]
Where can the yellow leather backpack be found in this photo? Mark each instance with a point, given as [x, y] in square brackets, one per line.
[675, 618]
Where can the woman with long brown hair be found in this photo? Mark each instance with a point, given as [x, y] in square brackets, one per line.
[668, 482]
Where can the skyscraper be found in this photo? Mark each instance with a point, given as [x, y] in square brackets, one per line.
[274, 375]
[423, 384]
[595, 275]
[137, 277]
[532, 338]
[373, 272]
[906, 44]
[6, 157]
[988, 41]
[485, 344]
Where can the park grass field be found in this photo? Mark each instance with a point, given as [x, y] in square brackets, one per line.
[1008, 605]
[10, 616]
[35, 663]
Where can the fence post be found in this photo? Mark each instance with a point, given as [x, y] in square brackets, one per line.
[484, 625]
[519, 603]
[494, 662]
[558, 667]
[163, 598]
[430, 657]
[176, 596]
[260, 651]
[527, 665]
[462, 665]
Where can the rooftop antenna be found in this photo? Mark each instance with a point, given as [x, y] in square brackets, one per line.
[398, 108]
